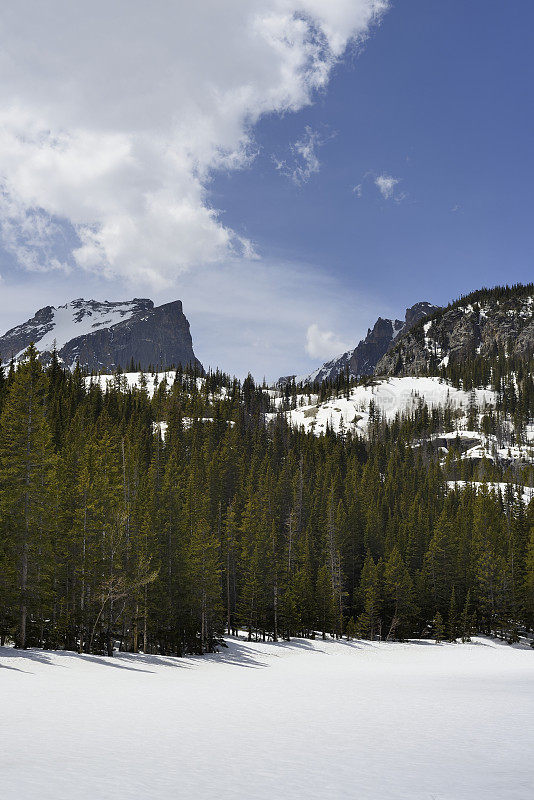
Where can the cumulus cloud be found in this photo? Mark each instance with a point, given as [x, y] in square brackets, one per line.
[323, 344]
[114, 116]
[386, 185]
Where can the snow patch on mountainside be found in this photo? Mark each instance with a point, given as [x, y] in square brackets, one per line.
[465, 329]
[70, 321]
[524, 493]
[389, 397]
[74, 319]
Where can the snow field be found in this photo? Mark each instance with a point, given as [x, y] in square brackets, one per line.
[131, 380]
[525, 493]
[370, 721]
[79, 318]
[392, 396]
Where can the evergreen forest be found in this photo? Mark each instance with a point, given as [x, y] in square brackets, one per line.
[160, 523]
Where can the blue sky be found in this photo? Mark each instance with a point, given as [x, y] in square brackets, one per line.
[441, 99]
[404, 175]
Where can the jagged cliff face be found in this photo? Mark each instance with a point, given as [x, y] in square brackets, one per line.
[103, 336]
[466, 329]
[365, 356]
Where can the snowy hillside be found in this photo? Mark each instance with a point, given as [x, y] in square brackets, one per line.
[131, 380]
[299, 721]
[524, 493]
[393, 396]
[389, 397]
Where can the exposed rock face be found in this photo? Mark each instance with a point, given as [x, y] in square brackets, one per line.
[365, 356]
[481, 325]
[103, 336]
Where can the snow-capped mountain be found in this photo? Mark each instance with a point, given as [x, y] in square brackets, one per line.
[485, 323]
[106, 335]
[363, 359]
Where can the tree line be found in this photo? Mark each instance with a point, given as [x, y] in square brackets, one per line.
[157, 524]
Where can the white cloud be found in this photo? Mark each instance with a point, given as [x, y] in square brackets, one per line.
[386, 185]
[304, 161]
[113, 116]
[323, 344]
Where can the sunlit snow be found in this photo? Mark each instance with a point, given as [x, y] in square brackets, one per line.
[296, 721]
[390, 397]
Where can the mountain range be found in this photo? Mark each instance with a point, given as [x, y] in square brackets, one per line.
[102, 336]
[486, 323]
[362, 360]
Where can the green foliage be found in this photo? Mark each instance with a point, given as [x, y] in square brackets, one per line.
[350, 630]
[118, 532]
[438, 628]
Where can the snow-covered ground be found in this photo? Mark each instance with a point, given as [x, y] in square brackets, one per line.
[402, 396]
[526, 493]
[481, 446]
[293, 720]
[390, 397]
[131, 380]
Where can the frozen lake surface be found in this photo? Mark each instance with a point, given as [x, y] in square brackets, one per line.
[303, 719]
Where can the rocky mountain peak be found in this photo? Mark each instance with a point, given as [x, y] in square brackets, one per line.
[363, 359]
[104, 335]
[479, 324]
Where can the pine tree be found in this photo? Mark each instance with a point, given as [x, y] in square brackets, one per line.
[529, 578]
[204, 581]
[439, 628]
[369, 622]
[399, 591]
[27, 472]
[350, 630]
[452, 619]
[466, 620]
[324, 595]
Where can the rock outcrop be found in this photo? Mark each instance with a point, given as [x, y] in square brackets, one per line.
[484, 324]
[363, 359]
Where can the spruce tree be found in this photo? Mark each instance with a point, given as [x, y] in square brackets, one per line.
[452, 619]
[369, 621]
[439, 628]
[27, 473]
[466, 620]
[350, 629]
[399, 591]
[324, 595]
